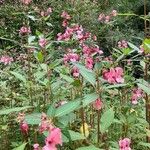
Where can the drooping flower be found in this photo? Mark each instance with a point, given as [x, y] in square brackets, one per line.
[54, 138]
[24, 127]
[124, 144]
[42, 42]
[6, 60]
[98, 104]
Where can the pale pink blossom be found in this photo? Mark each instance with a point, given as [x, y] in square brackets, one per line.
[101, 17]
[114, 13]
[42, 42]
[26, 2]
[54, 138]
[124, 144]
[36, 146]
[24, 30]
[6, 60]
[71, 57]
[123, 44]
[65, 15]
[136, 95]
[65, 23]
[98, 104]
[107, 19]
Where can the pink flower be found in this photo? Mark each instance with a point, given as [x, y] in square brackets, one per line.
[26, 2]
[89, 62]
[123, 44]
[6, 60]
[49, 10]
[36, 146]
[136, 94]
[98, 104]
[75, 72]
[65, 15]
[42, 42]
[114, 75]
[24, 127]
[71, 57]
[54, 138]
[24, 30]
[114, 13]
[107, 19]
[125, 144]
[65, 23]
[101, 17]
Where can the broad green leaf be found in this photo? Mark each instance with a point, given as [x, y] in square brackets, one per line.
[39, 56]
[19, 76]
[11, 110]
[67, 108]
[75, 135]
[133, 46]
[144, 86]
[106, 120]
[89, 98]
[33, 119]
[146, 45]
[87, 74]
[21, 147]
[92, 147]
[51, 111]
[31, 39]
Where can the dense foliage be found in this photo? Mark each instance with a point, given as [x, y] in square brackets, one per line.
[75, 75]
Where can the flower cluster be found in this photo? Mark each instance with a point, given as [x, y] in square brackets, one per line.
[66, 17]
[124, 144]
[47, 12]
[123, 44]
[114, 75]
[42, 42]
[45, 124]
[6, 60]
[71, 57]
[24, 30]
[136, 94]
[106, 18]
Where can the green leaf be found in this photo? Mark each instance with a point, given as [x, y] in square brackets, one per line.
[146, 45]
[107, 119]
[87, 74]
[67, 108]
[21, 147]
[11, 110]
[31, 39]
[91, 147]
[89, 98]
[19, 76]
[67, 78]
[33, 119]
[51, 111]
[39, 56]
[144, 144]
[144, 86]
[133, 46]
[115, 86]
[75, 135]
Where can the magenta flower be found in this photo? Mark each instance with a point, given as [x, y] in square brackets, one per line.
[98, 104]
[75, 72]
[89, 63]
[114, 75]
[125, 144]
[54, 138]
[42, 42]
[24, 30]
[24, 127]
[6, 60]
